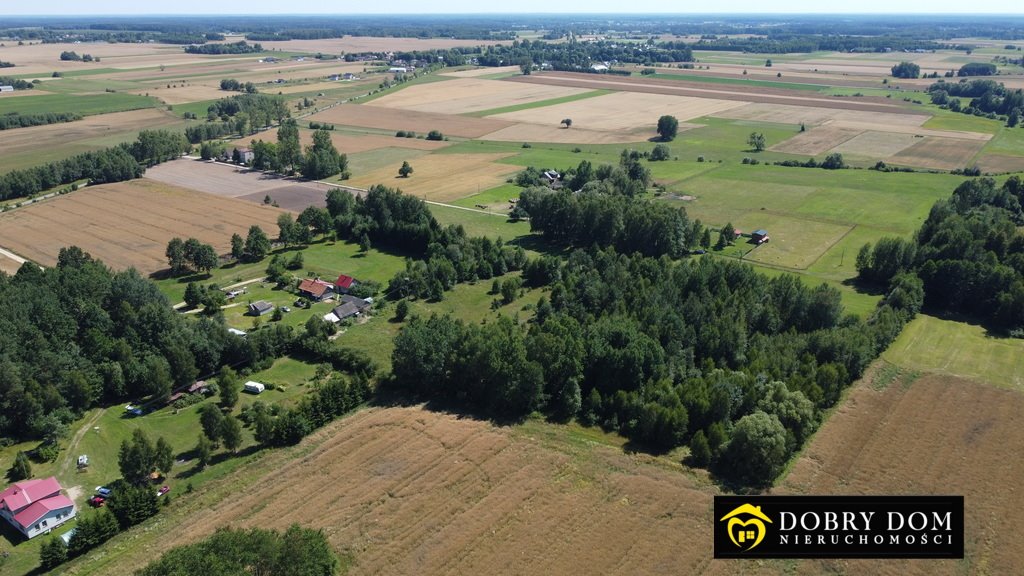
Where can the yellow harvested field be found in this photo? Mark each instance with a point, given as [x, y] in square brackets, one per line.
[561, 135]
[877, 144]
[939, 153]
[352, 143]
[182, 94]
[8, 265]
[815, 140]
[637, 112]
[463, 95]
[379, 117]
[128, 224]
[482, 72]
[442, 177]
[45, 58]
[1001, 163]
[813, 115]
[915, 130]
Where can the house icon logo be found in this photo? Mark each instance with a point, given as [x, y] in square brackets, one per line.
[746, 526]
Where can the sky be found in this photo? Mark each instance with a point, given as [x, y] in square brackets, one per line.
[185, 7]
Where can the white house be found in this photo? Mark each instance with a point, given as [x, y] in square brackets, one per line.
[254, 387]
[398, 69]
[6, 88]
[35, 507]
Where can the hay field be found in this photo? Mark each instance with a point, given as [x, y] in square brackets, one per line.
[45, 58]
[463, 95]
[939, 153]
[37, 144]
[473, 73]
[442, 177]
[371, 116]
[409, 491]
[876, 144]
[8, 265]
[814, 115]
[553, 134]
[932, 435]
[128, 224]
[1001, 163]
[183, 94]
[228, 180]
[816, 140]
[621, 112]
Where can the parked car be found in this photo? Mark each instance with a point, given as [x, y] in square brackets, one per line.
[163, 490]
[103, 491]
[97, 501]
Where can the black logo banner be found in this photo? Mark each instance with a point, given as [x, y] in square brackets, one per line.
[839, 526]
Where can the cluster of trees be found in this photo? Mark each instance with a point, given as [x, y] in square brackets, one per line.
[18, 120]
[906, 70]
[73, 56]
[987, 97]
[968, 254]
[833, 161]
[706, 352]
[78, 335]
[91, 530]
[6, 64]
[191, 254]
[233, 85]
[977, 69]
[230, 552]
[209, 130]
[240, 47]
[578, 56]
[792, 41]
[17, 83]
[321, 159]
[260, 110]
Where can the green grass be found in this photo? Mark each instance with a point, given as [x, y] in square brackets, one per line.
[477, 224]
[960, 349]
[499, 195]
[539, 103]
[370, 160]
[947, 120]
[1008, 141]
[86, 104]
[78, 86]
[739, 81]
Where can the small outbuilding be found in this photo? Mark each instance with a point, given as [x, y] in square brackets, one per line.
[6, 88]
[760, 236]
[344, 283]
[254, 387]
[260, 308]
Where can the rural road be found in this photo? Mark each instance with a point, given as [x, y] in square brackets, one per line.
[72, 450]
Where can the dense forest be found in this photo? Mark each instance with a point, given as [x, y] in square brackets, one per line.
[705, 352]
[260, 110]
[122, 162]
[969, 254]
[574, 55]
[241, 47]
[987, 97]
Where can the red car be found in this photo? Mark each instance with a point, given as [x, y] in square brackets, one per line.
[97, 501]
[163, 491]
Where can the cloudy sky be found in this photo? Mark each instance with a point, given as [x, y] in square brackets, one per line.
[64, 7]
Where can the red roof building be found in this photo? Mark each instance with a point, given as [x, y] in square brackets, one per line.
[344, 283]
[35, 506]
[315, 289]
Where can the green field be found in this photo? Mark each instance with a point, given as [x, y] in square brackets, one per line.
[960, 349]
[738, 81]
[85, 104]
[539, 103]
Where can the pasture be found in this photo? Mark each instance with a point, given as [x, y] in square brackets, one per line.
[441, 177]
[128, 224]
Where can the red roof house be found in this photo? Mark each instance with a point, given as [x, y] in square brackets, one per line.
[315, 289]
[35, 506]
[344, 283]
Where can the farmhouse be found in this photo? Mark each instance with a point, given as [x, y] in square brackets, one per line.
[600, 67]
[760, 236]
[253, 387]
[260, 308]
[315, 289]
[240, 155]
[344, 283]
[349, 76]
[35, 507]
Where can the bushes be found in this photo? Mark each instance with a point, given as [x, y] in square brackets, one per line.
[906, 70]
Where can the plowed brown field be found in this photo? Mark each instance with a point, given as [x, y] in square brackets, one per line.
[128, 224]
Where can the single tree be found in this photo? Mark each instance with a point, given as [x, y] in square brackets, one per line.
[289, 151]
[210, 418]
[22, 468]
[52, 554]
[231, 432]
[364, 242]
[237, 247]
[705, 239]
[204, 448]
[227, 382]
[176, 255]
[164, 456]
[257, 244]
[668, 127]
[401, 310]
[405, 170]
[700, 452]
[567, 122]
[756, 141]
[661, 152]
[137, 458]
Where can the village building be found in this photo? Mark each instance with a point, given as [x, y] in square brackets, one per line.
[35, 507]
[760, 236]
[260, 308]
[315, 289]
[344, 284]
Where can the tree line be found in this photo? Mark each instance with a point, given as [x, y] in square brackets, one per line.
[122, 162]
[703, 352]
[232, 85]
[987, 97]
[17, 83]
[240, 47]
[968, 254]
[19, 120]
[578, 56]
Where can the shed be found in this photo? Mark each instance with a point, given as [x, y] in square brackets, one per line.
[260, 308]
[760, 236]
[6, 88]
[346, 310]
[254, 387]
[344, 283]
